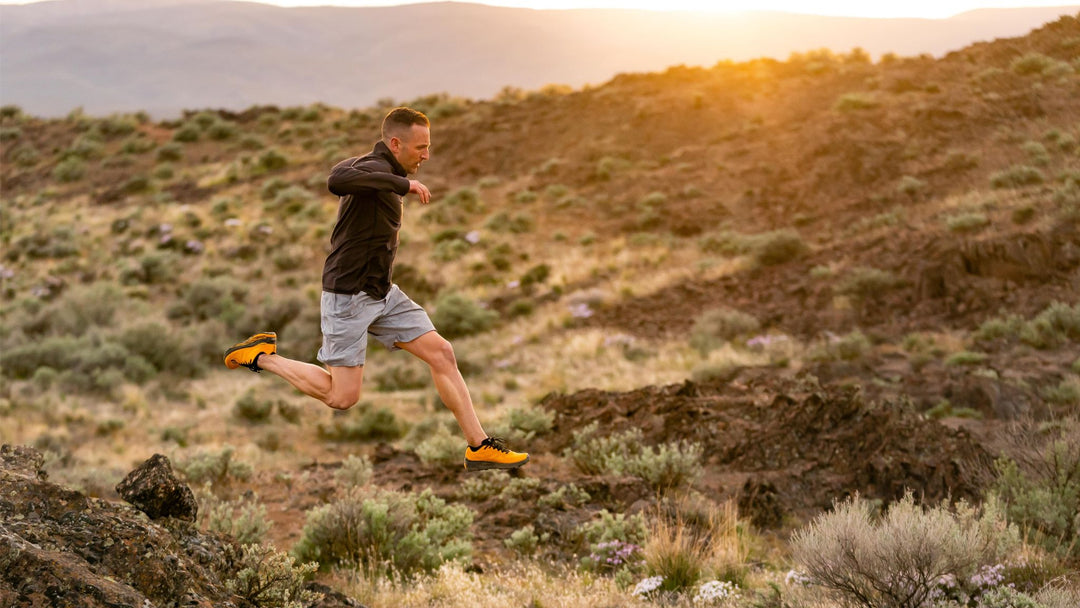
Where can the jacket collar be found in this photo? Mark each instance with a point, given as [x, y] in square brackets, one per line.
[381, 149]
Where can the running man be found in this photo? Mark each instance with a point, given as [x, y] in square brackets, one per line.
[359, 298]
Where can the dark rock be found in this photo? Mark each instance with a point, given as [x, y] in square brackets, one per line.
[22, 459]
[59, 547]
[155, 490]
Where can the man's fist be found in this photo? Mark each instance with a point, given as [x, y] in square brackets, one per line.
[420, 190]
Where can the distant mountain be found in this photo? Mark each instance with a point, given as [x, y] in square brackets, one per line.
[166, 55]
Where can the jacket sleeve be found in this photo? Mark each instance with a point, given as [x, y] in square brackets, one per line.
[357, 175]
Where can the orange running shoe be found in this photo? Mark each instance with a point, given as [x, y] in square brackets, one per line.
[493, 454]
[247, 352]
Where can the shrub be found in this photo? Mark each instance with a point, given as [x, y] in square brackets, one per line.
[523, 541]
[682, 552]
[1067, 392]
[187, 134]
[221, 131]
[243, 519]
[1016, 177]
[778, 247]
[911, 186]
[966, 357]
[440, 447]
[355, 472]
[1041, 492]
[268, 578]
[1031, 64]
[363, 423]
[972, 221]
[218, 468]
[69, 170]
[386, 533]
[863, 283]
[520, 223]
[402, 377]
[253, 409]
[457, 316]
[849, 347]
[272, 160]
[719, 325]
[170, 153]
[290, 200]
[565, 496]
[665, 466]
[852, 102]
[899, 559]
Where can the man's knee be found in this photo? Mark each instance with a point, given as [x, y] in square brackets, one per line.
[343, 400]
[442, 356]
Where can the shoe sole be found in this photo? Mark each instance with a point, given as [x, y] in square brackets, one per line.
[232, 364]
[484, 465]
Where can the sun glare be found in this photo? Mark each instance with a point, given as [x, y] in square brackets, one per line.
[915, 9]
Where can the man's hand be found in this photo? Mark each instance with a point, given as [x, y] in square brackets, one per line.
[420, 190]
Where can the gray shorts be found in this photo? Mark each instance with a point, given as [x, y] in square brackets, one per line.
[348, 319]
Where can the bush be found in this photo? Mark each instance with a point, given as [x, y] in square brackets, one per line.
[966, 357]
[363, 423]
[849, 347]
[69, 170]
[852, 102]
[272, 160]
[719, 325]
[1032, 64]
[1056, 325]
[170, 153]
[243, 519]
[253, 409]
[457, 316]
[864, 283]
[386, 533]
[268, 578]
[972, 221]
[898, 560]
[355, 472]
[911, 186]
[1042, 492]
[1016, 177]
[440, 447]
[682, 552]
[778, 247]
[523, 541]
[218, 468]
[187, 134]
[665, 466]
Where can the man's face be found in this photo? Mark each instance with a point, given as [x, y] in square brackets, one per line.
[412, 148]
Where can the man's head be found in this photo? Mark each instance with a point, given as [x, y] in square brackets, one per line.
[408, 135]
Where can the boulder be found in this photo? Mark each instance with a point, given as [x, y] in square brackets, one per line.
[154, 489]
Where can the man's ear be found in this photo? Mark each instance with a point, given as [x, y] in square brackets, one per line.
[394, 145]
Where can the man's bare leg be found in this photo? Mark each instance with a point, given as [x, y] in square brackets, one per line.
[337, 387]
[434, 350]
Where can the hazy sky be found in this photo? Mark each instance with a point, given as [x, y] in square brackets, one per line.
[862, 8]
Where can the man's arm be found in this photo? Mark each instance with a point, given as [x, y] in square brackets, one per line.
[354, 176]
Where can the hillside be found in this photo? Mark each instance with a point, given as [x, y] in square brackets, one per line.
[163, 57]
[756, 288]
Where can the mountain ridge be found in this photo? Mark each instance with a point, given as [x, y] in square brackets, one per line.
[205, 53]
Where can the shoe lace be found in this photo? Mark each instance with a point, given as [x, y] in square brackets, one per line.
[496, 443]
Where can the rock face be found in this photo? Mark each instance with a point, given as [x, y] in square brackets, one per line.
[60, 548]
[155, 490]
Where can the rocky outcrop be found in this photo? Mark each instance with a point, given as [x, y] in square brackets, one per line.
[59, 547]
[155, 490]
